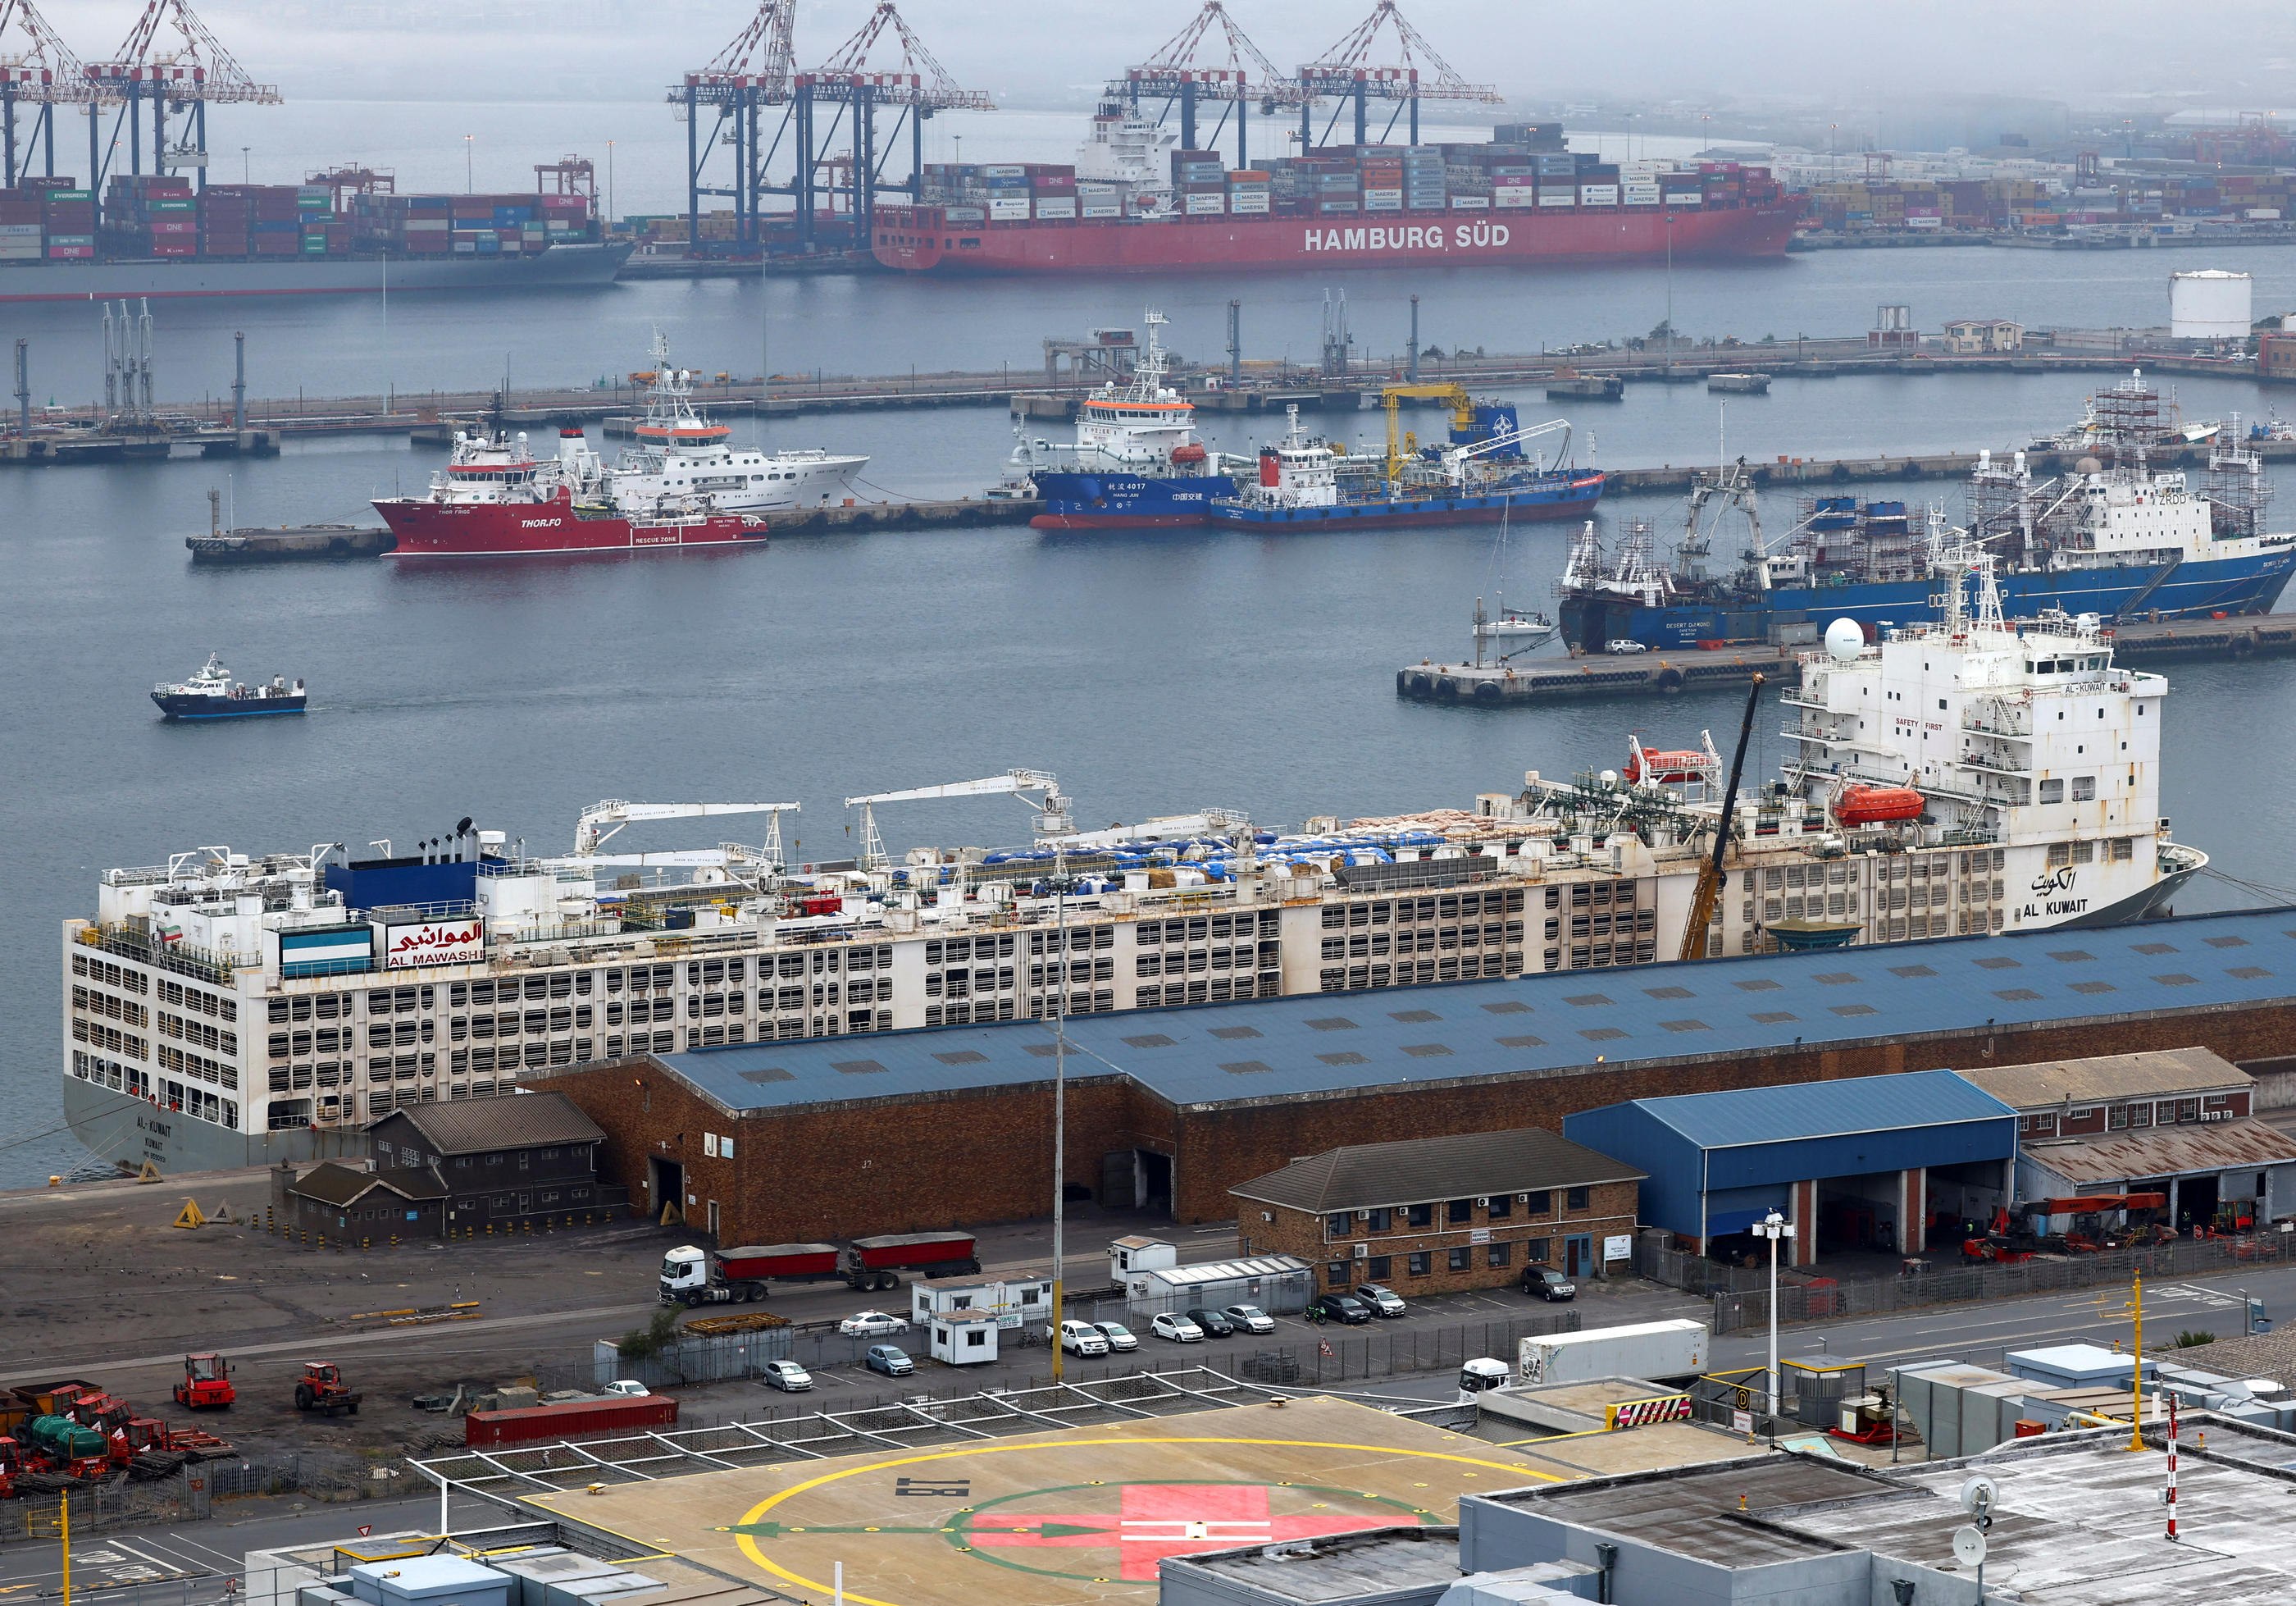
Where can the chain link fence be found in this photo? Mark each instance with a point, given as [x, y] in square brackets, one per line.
[1823, 1299]
[186, 1495]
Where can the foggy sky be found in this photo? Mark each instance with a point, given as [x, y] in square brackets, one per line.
[1040, 54]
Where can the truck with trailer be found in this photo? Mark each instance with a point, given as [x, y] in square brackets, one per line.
[692, 1276]
[1656, 1350]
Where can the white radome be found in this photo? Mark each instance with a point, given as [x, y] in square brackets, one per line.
[1845, 639]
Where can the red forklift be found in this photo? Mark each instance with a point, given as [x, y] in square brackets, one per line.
[207, 1383]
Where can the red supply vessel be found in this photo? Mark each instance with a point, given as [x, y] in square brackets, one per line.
[569, 1418]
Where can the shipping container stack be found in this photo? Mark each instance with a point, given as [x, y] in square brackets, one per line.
[1247, 193]
[67, 219]
[1199, 183]
[494, 226]
[21, 238]
[1053, 192]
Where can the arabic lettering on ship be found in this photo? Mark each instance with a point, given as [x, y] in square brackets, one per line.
[435, 944]
[2058, 880]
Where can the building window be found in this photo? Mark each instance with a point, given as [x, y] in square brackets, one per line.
[1458, 1211]
[1575, 1199]
[1499, 1254]
[1335, 1274]
[1502, 1205]
[1422, 1215]
[1462, 1259]
[1340, 1223]
[1541, 1203]
[1379, 1219]
[1535, 1250]
[1379, 1268]
[1419, 1262]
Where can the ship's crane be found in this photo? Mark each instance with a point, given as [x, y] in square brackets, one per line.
[753, 72]
[180, 76]
[1053, 818]
[615, 814]
[1350, 72]
[38, 70]
[1710, 874]
[917, 84]
[1192, 67]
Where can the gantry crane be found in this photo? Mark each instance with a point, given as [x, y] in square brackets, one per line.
[918, 83]
[37, 69]
[1052, 816]
[755, 72]
[1349, 72]
[1184, 70]
[180, 78]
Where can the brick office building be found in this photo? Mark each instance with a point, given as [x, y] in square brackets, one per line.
[1434, 1215]
[911, 1131]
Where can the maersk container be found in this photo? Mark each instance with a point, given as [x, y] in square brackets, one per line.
[568, 1419]
[1652, 1350]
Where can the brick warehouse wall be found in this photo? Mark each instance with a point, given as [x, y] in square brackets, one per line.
[1609, 1211]
[844, 1171]
[840, 1171]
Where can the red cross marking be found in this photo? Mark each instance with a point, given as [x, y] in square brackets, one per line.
[1156, 1520]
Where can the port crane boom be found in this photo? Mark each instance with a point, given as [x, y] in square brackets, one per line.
[1052, 816]
[1710, 873]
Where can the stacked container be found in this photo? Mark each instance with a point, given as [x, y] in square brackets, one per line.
[67, 219]
[1379, 172]
[19, 226]
[1053, 191]
[1248, 193]
[226, 213]
[1005, 188]
[1422, 178]
[1200, 183]
[1100, 199]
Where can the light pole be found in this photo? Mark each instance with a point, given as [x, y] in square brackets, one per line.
[469, 181]
[1774, 1227]
[610, 186]
[246, 168]
[1060, 1104]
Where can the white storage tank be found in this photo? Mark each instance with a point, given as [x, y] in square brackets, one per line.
[2210, 304]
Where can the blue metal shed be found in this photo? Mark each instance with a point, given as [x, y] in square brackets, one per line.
[1720, 1162]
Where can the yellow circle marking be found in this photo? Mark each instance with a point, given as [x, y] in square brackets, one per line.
[750, 1545]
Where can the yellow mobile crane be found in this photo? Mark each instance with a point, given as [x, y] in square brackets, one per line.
[1400, 445]
[1710, 874]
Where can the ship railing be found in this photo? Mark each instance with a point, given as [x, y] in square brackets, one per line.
[2020, 729]
[134, 942]
[443, 908]
[565, 931]
[1970, 761]
[1968, 836]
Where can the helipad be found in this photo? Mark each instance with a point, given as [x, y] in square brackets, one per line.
[1081, 1514]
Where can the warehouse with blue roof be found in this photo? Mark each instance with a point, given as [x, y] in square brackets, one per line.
[1861, 1164]
[824, 1137]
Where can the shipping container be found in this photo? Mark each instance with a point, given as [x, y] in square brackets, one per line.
[568, 1419]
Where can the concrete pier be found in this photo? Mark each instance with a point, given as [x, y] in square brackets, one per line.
[1671, 673]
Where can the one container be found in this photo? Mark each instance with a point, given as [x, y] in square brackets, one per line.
[569, 1418]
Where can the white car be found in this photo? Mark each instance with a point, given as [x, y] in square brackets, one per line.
[873, 1324]
[1251, 1318]
[1624, 645]
[1082, 1338]
[787, 1376]
[625, 1388]
[1118, 1336]
[1177, 1327]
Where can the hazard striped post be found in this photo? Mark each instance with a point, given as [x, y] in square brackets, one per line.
[2172, 1467]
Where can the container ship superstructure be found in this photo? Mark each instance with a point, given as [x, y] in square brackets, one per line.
[347, 234]
[226, 1009]
[1133, 204]
[2114, 538]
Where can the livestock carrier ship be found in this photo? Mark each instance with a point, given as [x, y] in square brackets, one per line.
[1132, 203]
[2114, 539]
[224, 1009]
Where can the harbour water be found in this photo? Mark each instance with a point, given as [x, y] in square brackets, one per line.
[1153, 672]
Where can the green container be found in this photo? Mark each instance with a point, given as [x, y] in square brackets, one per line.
[61, 1436]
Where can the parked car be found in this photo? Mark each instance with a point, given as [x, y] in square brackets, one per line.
[1177, 1327]
[625, 1388]
[1623, 645]
[873, 1324]
[787, 1376]
[1082, 1338]
[1251, 1318]
[1342, 1307]
[1118, 1336]
[1544, 1284]
[890, 1359]
[1383, 1301]
[1215, 1325]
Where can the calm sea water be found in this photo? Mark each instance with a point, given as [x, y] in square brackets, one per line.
[1153, 672]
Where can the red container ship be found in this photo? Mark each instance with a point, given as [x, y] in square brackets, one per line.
[495, 499]
[921, 240]
[1132, 202]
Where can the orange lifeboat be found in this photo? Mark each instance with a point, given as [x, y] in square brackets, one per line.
[1189, 453]
[1684, 764]
[1871, 805]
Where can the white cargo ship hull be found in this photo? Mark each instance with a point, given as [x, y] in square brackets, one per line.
[88, 281]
